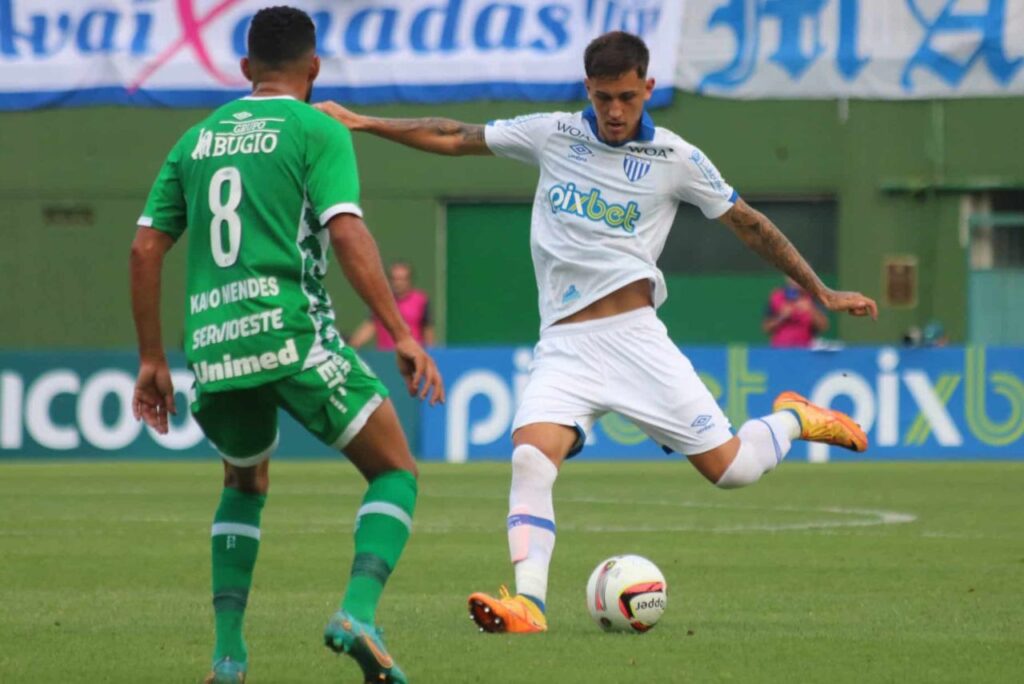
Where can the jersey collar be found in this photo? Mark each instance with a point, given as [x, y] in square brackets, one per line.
[644, 132]
[269, 97]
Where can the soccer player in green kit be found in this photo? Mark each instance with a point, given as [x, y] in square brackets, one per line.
[266, 185]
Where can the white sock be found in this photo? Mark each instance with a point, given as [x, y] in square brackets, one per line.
[784, 424]
[764, 442]
[531, 520]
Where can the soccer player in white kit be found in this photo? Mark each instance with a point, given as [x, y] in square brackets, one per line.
[610, 183]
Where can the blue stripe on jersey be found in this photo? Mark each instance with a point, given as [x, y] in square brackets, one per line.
[532, 520]
[734, 196]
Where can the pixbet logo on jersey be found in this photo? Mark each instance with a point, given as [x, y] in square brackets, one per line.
[569, 199]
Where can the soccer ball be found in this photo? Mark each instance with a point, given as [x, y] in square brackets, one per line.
[626, 594]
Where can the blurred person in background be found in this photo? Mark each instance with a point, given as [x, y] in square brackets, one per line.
[413, 304]
[792, 318]
[932, 335]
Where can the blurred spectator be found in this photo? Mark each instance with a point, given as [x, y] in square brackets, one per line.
[413, 304]
[792, 319]
[932, 335]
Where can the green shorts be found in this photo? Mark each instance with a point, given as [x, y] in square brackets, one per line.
[333, 401]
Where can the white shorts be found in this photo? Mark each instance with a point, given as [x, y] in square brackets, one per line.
[626, 364]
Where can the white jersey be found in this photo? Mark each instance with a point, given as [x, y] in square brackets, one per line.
[602, 213]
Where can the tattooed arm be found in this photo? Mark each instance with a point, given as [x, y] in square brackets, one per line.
[758, 232]
[441, 136]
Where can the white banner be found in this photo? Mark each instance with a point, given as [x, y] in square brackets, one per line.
[186, 52]
[885, 49]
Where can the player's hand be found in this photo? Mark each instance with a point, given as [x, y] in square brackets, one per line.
[854, 303]
[154, 394]
[348, 118]
[419, 370]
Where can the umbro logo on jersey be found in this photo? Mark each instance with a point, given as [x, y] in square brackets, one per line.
[580, 152]
[635, 168]
[703, 424]
[241, 116]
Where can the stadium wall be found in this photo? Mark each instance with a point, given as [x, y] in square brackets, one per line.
[73, 181]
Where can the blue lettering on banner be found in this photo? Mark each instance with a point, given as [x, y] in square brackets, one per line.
[205, 39]
[434, 29]
[988, 26]
[915, 35]
[794, 18]
[449, 50]
[382, 21]
[97, 30]
[636, 16]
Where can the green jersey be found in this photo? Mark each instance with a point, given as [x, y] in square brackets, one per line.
[256, 183]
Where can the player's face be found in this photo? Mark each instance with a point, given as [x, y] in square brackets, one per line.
[619, 104]
[401, 280]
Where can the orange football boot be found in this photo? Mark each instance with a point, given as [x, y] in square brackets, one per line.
[506, 614]
[819, 424]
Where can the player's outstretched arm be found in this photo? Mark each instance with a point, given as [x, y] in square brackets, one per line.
[440, 136]
[758, 232]
[154, 392]
[357, 253]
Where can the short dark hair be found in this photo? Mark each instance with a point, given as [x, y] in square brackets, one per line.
[614, 54]
[279, 35]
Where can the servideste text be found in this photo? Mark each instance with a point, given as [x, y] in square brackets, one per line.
[237, 328]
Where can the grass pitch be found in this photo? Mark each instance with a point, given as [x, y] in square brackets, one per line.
[838, 573]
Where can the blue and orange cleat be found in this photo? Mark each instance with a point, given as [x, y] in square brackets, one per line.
[819, 424]
[363, 643]
[226, 671]
[506, 614]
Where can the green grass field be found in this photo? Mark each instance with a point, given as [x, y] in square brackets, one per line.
[836, 573]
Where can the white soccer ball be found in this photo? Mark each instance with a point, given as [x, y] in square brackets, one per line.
[626, 594]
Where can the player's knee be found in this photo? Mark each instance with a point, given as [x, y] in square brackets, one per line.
[251, 480]
[250, 474]
[529, 462]
[744, 470]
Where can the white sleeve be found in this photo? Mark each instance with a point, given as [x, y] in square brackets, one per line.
[521, 138]
[701, 185]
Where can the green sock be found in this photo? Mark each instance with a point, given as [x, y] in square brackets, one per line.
[235, 539]
[383, 524]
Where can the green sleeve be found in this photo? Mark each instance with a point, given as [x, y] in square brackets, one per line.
[165, 208]
[332, 178]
